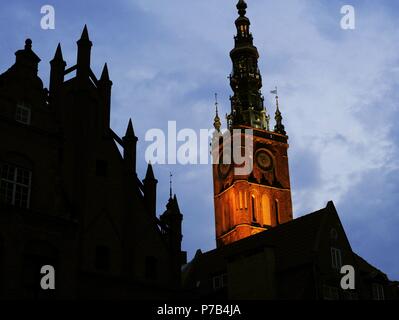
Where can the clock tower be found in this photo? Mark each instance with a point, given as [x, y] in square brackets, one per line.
[246, 204]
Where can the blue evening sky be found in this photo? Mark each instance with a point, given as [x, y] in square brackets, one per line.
[338, 94]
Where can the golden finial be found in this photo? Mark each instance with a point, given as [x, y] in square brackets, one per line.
[217, 124]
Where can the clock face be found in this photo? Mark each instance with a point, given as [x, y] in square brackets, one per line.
[223, 168]
[263, 160]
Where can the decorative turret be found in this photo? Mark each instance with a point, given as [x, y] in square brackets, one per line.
[216, 121]
[279, 127]
[130, 147]
[150, 191]
[173, 219]
[247, 106]
[84, 51]
[26, 60]
[57, 71]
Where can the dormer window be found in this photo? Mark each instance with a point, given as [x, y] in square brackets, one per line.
[23, 114]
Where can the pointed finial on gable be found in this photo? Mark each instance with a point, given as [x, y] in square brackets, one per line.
[130, 131]
[104, 73]
[85, 34]
[150, 173]
[58, 53]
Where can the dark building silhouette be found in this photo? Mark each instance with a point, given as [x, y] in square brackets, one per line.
[69, 198]
[262, 253]
[297, 260]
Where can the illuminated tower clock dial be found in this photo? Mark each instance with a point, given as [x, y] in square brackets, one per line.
[263, 160]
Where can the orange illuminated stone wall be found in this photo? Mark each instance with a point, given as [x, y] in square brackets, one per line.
[245, 205]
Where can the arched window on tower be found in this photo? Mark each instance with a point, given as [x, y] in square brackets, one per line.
[266, 212]
[240, 199]
[253, 207]
[244, 30]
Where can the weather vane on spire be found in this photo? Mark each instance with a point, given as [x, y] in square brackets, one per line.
[275, 92]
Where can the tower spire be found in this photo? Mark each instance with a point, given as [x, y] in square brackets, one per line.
[271, 204]
[247, 107]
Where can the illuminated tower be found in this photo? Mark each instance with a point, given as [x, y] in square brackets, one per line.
[250, 203]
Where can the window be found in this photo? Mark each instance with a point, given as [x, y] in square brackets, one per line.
[22, 114]
[15, 184]
[378, 291]
[243, 29]
[253, 206]
[101, 168]
[330, 293]
[219, 281]
[102, 258]
[151, 268]
[266, 210]
[242, 200]
[336, 259]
